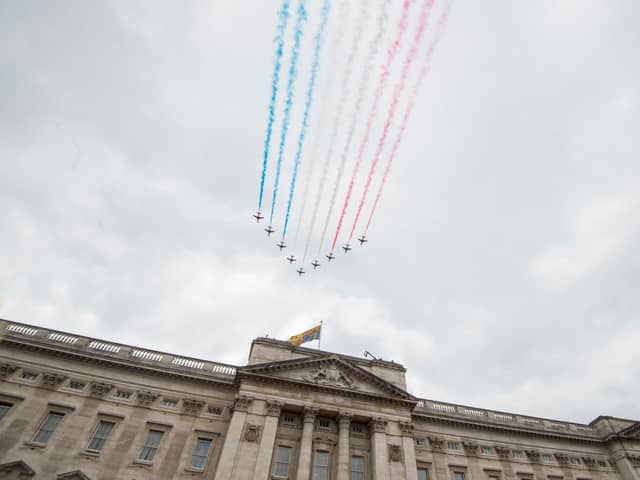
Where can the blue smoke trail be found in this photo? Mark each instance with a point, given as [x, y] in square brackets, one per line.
[301, 17]
[283, 15]
[315, 66]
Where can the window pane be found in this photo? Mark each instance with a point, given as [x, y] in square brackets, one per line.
[284, 454]
[4, 408]
[321, 466]
[458, 476]
[48, 427]
[199, 457]
[423, 474]
[357, 464]
[153, 440]
[151, 445]
[100, 437]
[283, 457]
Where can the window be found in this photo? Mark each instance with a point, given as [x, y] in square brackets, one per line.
[518, 454]
[169, 403]
[547, 458]
[321, 466]
[486, 450]
[324, 424]
[289, 419]
[458, 476]
[214, 410]
[602, 463]
[76, 385]
[48, 427]
[423, 474]
[421, 442]
[574, 460]
[101, 434]
[29, 375]
[283, 457]
[200, 453]
[123, 394]
[453, 445]
[357, 468]
[357, 428]
[4, 409]
[151, 445]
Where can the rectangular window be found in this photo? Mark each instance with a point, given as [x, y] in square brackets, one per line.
[423, 474]
[151, 445]
[518, 454]
[123, 394]
[214, 410]
[48, 427]
[321, 466]
[283, 458]
[101, 435]
[458, 476]
[29, 375]
[486, 450]
[547, 458]
[75, 385]
[357, 468]
[169, 403]
[4, 409]
[453, 446]
[200, 453]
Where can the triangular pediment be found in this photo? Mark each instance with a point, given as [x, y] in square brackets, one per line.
[17, 469]
[632, 431]
[327, 372]
[75, 475]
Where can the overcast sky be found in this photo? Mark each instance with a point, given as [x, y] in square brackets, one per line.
[503, 267]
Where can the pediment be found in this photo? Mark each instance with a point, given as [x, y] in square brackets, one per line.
[75, 475]
[17, 469]
[632, 432]
[328, 372]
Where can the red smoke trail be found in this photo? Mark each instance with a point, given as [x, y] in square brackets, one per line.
[424, 70]
[422, 25]
[391, 53]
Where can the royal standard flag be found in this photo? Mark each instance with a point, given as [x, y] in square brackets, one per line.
[307, 336]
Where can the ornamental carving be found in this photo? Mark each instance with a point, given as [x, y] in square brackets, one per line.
[634, 459]
[589, 461]
[533, 455]
[470, 448]
[242, 403]
[344, 420]
[309, 414]
[330, 377]
[191, 406]
[406, 428]
[273, 408]
[7, 369]
[251, 432]
[146, 398]
[395, 453]
[51, 380]
[437, 443]
[502, 451]
[378, 425]
[562, 458]
[99, 390]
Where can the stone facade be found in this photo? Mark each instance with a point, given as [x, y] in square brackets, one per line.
[73, 407]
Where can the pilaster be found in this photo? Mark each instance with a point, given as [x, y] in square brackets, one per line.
[408, 447]
[306, 443]
[267, 441]
[232, 440]
[380, 464]
[344, 425]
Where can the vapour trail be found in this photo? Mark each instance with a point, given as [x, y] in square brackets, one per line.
[382, 83]
[324, 114]
[411, 55]
[424, 70]
[342, 101]
[315, 66]
[362, 88]
[283, 15]
[301, 17]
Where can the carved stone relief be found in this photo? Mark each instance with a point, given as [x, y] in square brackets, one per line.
[406, 428]
[273, 408]
[502, 451]
[242, 403]
[251, 432]
[533, 455]
[562, 458]
[52, 380]
[470, 448]
[395, 453]
[7, 369]
[146, 398]
[309, 414]
[99, 390]
[590, 462]
[344, 420]
[331, 377]
[191, 406]
[437, 443]
[378, 425]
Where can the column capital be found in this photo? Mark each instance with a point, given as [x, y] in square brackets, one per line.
[273, 408]
[344, 419]
[310, 414]
[242, 403]
[378, 425]
[406, 428]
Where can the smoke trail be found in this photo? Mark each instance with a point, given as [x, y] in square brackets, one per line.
[362, 88]
[326, 87]
[315, 66]
[382, 82]
[283, 15]
[301, 17]
[424, 70]
[422, 25]
[342, 101]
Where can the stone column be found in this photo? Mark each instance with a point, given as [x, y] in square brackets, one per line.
[265, 451]
[409, 450]
[625, 465]
[306, 444]
[380, 464]
[344, 421]
[232, 439]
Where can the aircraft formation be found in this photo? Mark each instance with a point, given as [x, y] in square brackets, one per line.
[367, 96]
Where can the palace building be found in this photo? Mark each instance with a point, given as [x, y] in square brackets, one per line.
[73, 407]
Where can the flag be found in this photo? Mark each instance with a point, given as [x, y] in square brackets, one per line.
[307, 336]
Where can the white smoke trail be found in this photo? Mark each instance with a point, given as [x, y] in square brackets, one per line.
[367, 73]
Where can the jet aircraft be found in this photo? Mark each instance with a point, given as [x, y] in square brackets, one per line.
[300, 271]
[291, 258]
[315, 264]
[281, 245]
[269, 230]
[258, 216]
[347, 248]
[362, 240]
[330, 256]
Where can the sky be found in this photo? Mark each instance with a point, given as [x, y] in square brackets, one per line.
[502, 267]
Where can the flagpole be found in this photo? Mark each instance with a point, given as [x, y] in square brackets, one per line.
[320, 339]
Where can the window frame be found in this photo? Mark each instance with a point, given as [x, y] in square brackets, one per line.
[9, 405]
[276, 462]
[94, 433]
[364, 466]
[155, 427]
[315, 465]
[50, 412]
[423, 468]
[205, 458]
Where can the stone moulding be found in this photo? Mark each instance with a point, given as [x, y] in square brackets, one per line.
[378, 425]
[99, 390]
[533, 455]
[406, 428]
[146, 398]
[242, 403]
[470, 448]
[437, 443]
[192, 406]
[562, 458]
[51, 380]
[502, 451]
[273, 408]
[7, 369]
